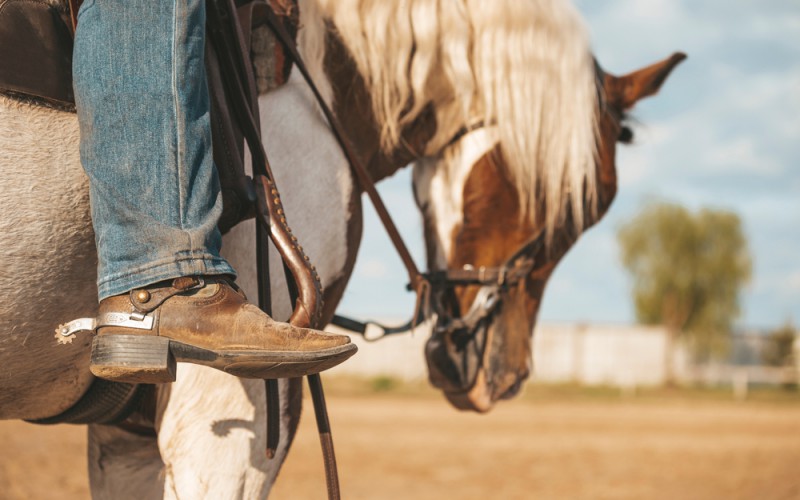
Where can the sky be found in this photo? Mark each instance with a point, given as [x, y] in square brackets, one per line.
[723, 133]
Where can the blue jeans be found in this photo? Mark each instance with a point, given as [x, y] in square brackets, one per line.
[143, 108]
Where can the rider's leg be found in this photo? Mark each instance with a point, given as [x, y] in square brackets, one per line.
[145, 141]
[143, 108]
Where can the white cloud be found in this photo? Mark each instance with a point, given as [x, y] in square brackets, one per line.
[740, 155]
[791, 284]
[785, 285]
[771, 27]
[655, 10]
[629, 33]
[742, 125]
[637, 162]
[788, 284]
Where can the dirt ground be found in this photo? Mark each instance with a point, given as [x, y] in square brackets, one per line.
[397, 446]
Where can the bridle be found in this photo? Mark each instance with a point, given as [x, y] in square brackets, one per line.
[494, 282]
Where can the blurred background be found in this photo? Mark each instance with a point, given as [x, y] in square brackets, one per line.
[632, 396]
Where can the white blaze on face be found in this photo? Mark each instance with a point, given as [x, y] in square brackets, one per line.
[439, 188]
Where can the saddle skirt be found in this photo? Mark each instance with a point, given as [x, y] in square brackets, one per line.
[36, 40]
[36, 51]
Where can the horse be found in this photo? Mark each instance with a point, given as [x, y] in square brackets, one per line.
[397, 113]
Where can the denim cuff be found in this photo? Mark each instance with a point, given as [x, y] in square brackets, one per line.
[193, 265]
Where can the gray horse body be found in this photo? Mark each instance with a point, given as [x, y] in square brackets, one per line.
[49, 261]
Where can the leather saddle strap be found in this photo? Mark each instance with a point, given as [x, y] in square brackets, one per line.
[308, 292]
[416, 279]
[270, 215]
[230, 31]
[272, 390]
[228, 40]
[269, 211]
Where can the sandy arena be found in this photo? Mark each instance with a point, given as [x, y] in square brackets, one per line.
[394, 445]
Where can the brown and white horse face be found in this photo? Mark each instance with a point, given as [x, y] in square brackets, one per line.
[472, 217]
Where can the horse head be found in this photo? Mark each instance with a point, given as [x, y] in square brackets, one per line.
[474, 220]
[511, 127]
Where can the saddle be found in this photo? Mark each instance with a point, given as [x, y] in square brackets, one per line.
[36, 38]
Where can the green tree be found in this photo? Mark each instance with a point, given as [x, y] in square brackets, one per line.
[687, 270]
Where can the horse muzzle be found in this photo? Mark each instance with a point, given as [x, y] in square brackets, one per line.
[456, 358]
[470, 368]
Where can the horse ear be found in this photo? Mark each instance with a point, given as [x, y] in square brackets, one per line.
[646, 81]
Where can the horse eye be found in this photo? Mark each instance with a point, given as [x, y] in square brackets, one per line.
[625, 135]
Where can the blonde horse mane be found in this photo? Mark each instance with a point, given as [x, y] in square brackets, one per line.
[523, 65]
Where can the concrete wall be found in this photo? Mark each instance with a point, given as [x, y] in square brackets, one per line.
[620, 355]
[400, 356]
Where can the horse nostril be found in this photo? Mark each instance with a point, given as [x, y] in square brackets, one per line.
[513, 390]
[461, 338]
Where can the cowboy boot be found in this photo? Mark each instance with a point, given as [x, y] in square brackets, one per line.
[206, 321]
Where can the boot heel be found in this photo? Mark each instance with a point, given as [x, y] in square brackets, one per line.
[135, 359]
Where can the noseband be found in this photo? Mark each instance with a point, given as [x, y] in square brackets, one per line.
[494, 284]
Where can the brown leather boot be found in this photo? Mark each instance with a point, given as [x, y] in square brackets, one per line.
[206, 321]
